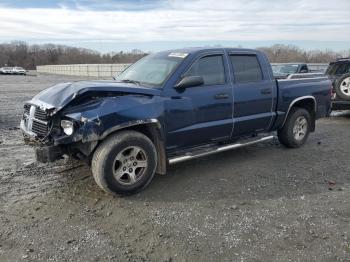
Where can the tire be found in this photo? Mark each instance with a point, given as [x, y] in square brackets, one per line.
[342, 87]
[113, 163]
[296, 129]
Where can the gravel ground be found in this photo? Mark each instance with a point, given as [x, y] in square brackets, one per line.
[259, 203]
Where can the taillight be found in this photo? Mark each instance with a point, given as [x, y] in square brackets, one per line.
[331, 91]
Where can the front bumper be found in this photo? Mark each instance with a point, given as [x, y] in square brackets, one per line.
[47, 154]
[43, 154]
[28, 134]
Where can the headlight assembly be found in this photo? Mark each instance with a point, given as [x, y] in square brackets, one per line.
[68, 127]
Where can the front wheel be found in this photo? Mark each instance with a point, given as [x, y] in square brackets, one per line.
[124, 163]
[296, 129]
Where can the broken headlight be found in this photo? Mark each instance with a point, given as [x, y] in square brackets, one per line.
[68, 127]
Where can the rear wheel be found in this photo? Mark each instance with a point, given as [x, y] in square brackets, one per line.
[342, 87]
[124, 163]
[296, 129]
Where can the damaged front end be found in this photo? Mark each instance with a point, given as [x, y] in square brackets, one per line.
[41, 127]
[71, 119]
[55, 134]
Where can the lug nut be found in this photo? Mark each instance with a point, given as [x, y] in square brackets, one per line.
[135, 163]
[130, 170]
[124, 168]
[132, 158]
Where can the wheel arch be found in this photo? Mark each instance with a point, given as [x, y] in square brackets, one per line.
[150, 128]
[307, 102]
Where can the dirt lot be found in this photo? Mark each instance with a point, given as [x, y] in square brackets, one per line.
[260, 203]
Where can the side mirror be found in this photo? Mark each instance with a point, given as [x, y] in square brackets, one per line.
[190, 81]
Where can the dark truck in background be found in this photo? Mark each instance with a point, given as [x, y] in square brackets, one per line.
[339, 73]
[170, 107]
[283, 70]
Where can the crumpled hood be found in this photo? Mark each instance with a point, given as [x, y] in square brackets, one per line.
[61, 94]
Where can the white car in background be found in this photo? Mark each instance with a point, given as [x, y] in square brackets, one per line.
[6, 70]
[18, 71]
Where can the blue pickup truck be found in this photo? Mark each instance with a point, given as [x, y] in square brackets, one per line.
[169, 107]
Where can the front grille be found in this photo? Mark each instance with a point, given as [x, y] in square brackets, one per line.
[40, 114]
[39, 128]
[36, 120]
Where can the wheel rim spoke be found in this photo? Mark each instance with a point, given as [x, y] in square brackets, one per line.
[118, 173]
[135, 151]
[132, 177]
[141, 163]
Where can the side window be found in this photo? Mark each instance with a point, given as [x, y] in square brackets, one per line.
[303, 68]
[211, 68]
[246, 68]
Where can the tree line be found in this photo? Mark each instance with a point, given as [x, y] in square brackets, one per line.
[19, 53]
[29, 56]
[290, 53]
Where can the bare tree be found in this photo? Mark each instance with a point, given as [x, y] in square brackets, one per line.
[290, 53]
[19, 53]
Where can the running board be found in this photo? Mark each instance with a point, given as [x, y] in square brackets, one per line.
[190, 156]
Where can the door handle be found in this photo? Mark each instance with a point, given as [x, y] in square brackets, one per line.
[221, 96]
[266, 91]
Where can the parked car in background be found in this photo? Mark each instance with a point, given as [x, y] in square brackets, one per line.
[170, 107]
[339, 73]
[282, 71]
[18, 71]
[6, 70]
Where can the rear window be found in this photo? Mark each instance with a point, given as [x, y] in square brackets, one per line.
[338, 69]
[246, 68]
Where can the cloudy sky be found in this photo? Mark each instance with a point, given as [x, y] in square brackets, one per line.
[108, 25]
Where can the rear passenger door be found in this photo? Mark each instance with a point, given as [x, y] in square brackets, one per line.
[253, 92]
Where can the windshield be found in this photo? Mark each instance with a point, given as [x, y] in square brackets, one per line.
[338, 69]
[152, 70]
[285, 69]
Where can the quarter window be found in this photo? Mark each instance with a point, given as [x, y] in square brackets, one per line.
[246, 68]
[211, 68]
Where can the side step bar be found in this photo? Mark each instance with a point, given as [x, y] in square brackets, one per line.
[190, 156]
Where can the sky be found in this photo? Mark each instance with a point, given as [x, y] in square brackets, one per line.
[111, 25]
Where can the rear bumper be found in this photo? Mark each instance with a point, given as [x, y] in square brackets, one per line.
[340, 105]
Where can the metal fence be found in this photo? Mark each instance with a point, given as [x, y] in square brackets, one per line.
[93, 70]
[110, 70]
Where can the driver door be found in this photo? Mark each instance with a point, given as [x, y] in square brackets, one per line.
[201, 114]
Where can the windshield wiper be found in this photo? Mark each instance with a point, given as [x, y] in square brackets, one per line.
[131, 81]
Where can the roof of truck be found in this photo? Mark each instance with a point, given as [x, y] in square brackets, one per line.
[193, 50]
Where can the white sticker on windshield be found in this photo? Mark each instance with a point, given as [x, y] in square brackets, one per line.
[181, 55]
